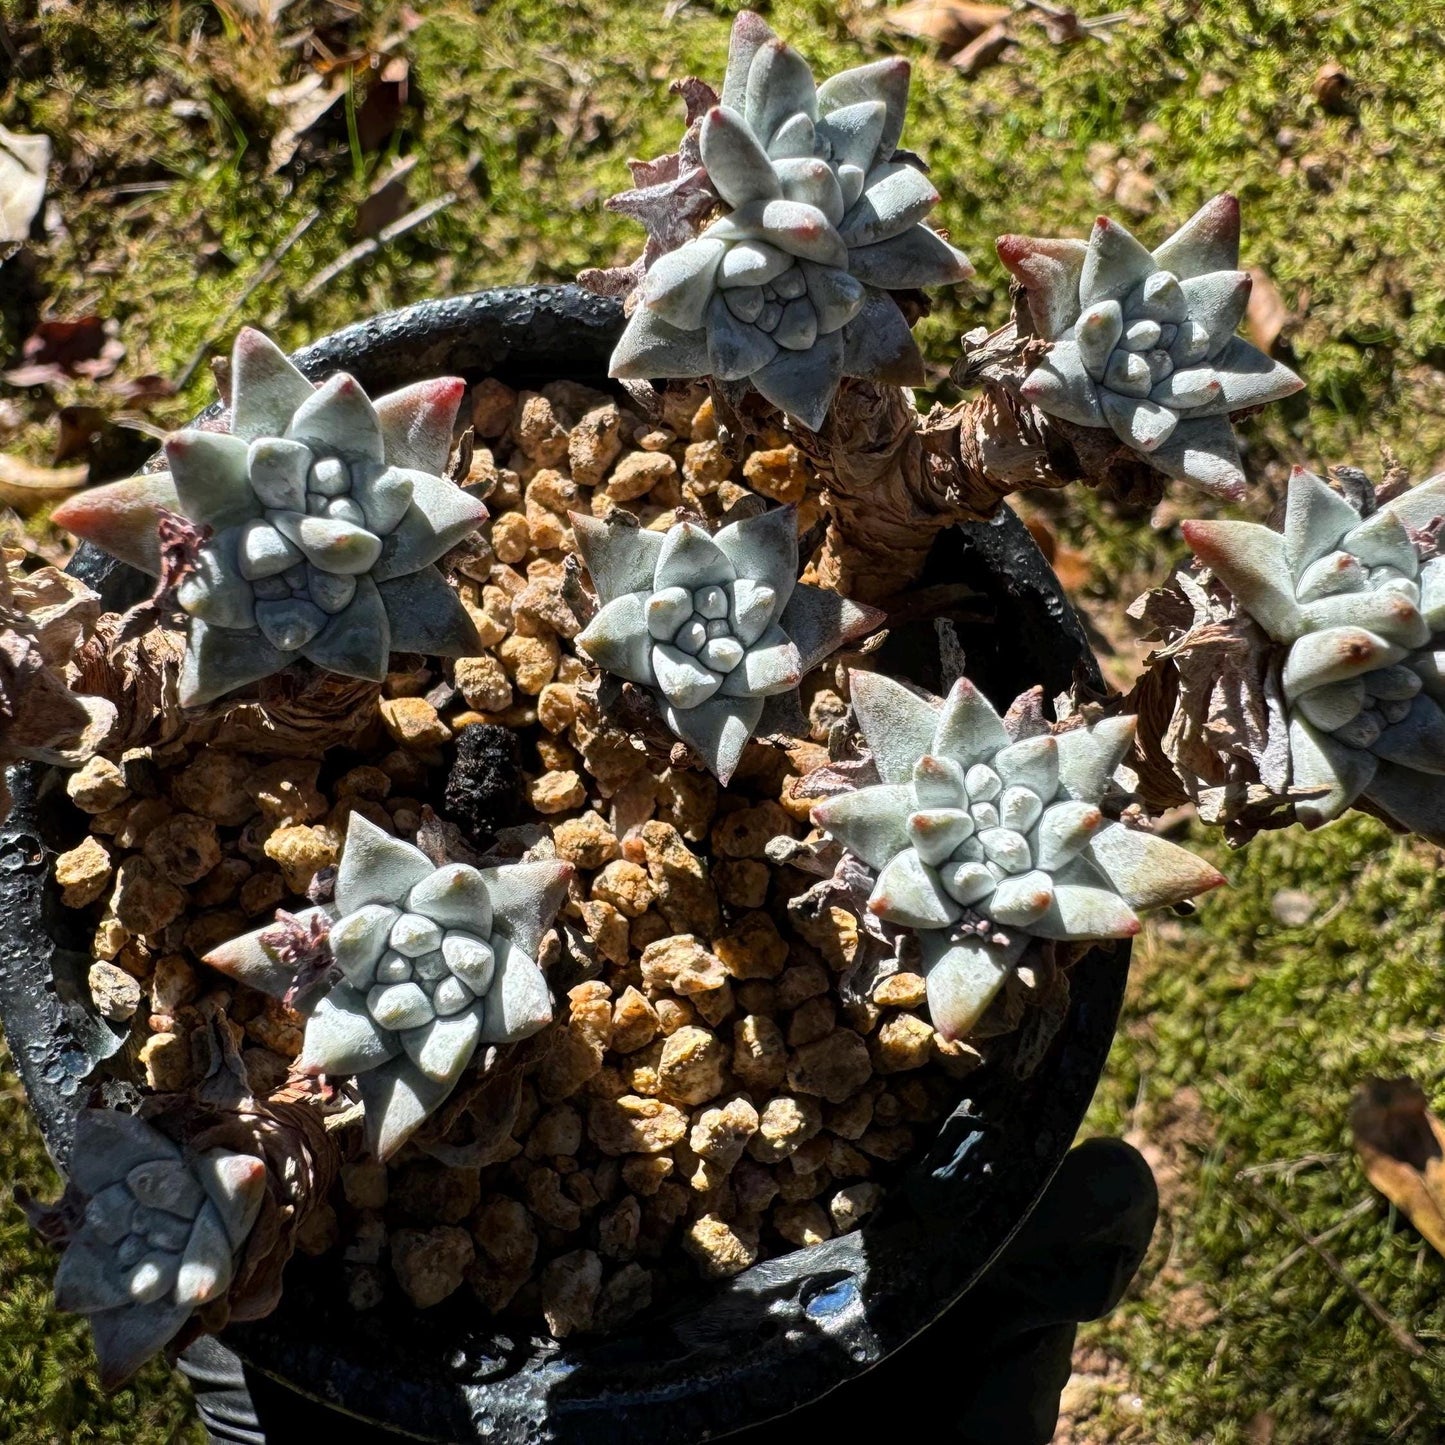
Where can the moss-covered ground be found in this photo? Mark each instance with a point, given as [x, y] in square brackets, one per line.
[1244, 1035]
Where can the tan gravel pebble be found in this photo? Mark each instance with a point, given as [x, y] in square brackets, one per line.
[634, 1022]
[166, 1059]
[414, 723]
[97, 786]
[850, 1206]
[721, 1249]
[142, 900]
[779, 473]
[721, 1134]
[902, 1042]
[483, 682]
[784, 1123]
[431, 1264]
[633, 1125]
[116, 993]
[184, 848]
[586, 841]
[753, 948]
[680, 964]
[556, 792]
[82, 873]
[901, 990]
[693, 1068]
[760, 1056]
[626, 886]
[833, 1067]
[802, 1224]
[302, 852]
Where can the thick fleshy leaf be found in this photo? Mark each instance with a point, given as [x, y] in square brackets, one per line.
[620, 558]
[736, 349]
[718, 730]
[356, 642]
[525, 898]
[1203, 450]
[121, 517]
[650, 348]
[967, 728]
[963, 979]
[897, 723]
[1049, 270]
[518, 1002]
[1115, 264]
[618, 641]
[207, 1265]
[935, 832]
[779, 86]
[1334, 655]
[812, 182]
[1137, 421]
[895, 196]
[384, 493]
[1384, 611]
[792, 226]
[870, 822]
[851, 133]
[910, 893]
[803, 383]
[1418, 508]
[796, 137]
[1333, 705]
[750, 33]
[1250, 560]
[219, 660]
[109, 1144]
[1217, 302]
[1032, 763]
[417, 421]
[125, 1339]
[455, 896]
[277, 470]
[820, 621]
[1418, 740]
[683, 680]
[445, 1046]
[765, 549]
[289, 623]
[343, 1038]
[266, 389]
[1148, 871]
[939, 783]
[396, 1099]
[426, 615]
[752, 263]
[331, 545]
[915, 257]
[1432, 593]
[261, 551]
[250, 961]
[215, 591]
[375, 867]
[208, 471]
[338, 419]
[1019, 900]
[1061, 385]
[1415, 801]
[771, 665]
[1097, 333]
[236, 1186]
[1381, 540]
[1316, 517]
[690, 558]
[1207, 241]
[88, 1279]
[1320, 761]
[358, 940]
[679, 284]
[1063, 831]
[439, 516]
[1249, 377]
[1079, 911]
[1335, 572]
[879, 344]
[885, 80]
[735, 161]
[1088, 756]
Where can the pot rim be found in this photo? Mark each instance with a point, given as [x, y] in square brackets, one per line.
[749, 1349]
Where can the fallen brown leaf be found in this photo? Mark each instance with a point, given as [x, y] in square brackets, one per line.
[950, 24]
[303, 103]
[1267, 315]
[1401, 1145]
[386, 97]
[25, 486]
[1331, 88]
[983, 50]
[87, 347]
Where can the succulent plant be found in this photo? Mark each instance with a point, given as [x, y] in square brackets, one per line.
[1145, 343]
[158, 1238]
[983, 840]
[433, 962]
[321, 516]
[716, 625]
[790, 289]
[1359, 604]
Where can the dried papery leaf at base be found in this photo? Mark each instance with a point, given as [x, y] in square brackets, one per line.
[1401, 1147]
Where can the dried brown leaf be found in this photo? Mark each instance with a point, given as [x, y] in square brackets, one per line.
[1267, 315]
[1401, 1145]
[26, 487]
[983, 50]
[950, 24]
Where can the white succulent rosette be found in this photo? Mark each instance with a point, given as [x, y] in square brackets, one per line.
[326, 514]
[790, 290]
[1361, 616]
[717, 626]
[983, 840]
[159, 1236]
[1144, 342]
[435, 962]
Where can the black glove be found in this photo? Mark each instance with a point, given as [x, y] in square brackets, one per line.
[1003, 1350]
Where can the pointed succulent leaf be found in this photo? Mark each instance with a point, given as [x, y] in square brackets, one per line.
[897, 724]
[879, 344]
[1415, 801]
[1148, 871]
[375, 867]
[356, 642]
[851, 133]
[1088, 756]
[255, 963]
[417, 421]
[620, 559]
[1049, 271]
[219, 660]
[1032, 762]
[439, 516]
[963, 978]
[1115, 264]
[803, 383]
[735, 160]
[1203, 450]
[396, 1098]
[871, 822]
[679, 285]
[338, 419]
[1079, 911]
[342, 1036]
[1137, 421]
[1417, 741]
[454, 896]
[967, 727]
[518, 1002]
[881, 80]
[718, 730]
[207, 1265]
[1334, 655]
[1319, 761]
[1208, 241]
[819, 622]
[1383, 611]
[1248, 377]
[1420, 507]
[442, 1049]
[266, 389]
[763, 549]
[277, 471]
[121, 517]
[911, 893]
[651, 348]
[1251, 561]
[1381, 540]
[208, 471]
[525, 898]
[424, 614]
[914, 257]
[1316, 518]
[895, 196]
[1216, 301]
[1061, 385]
[812, 182]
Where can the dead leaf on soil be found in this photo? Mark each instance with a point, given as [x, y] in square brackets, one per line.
[23, 160]
[950, 24]
[304, 103]
[88, 347]
[25, 486]
[1401, 1145]
[1267, 315]
[983, 50]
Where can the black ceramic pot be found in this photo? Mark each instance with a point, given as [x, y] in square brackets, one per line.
[782, 1333]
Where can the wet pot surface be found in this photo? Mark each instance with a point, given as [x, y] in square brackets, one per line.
[788, 1329]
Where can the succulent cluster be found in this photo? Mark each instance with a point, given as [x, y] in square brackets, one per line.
[716, 625]
[983, 840]
[790, 289]
[320, 515]
[433, 962]
[1144, 343]
[159, 1235]
[1358, 601]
